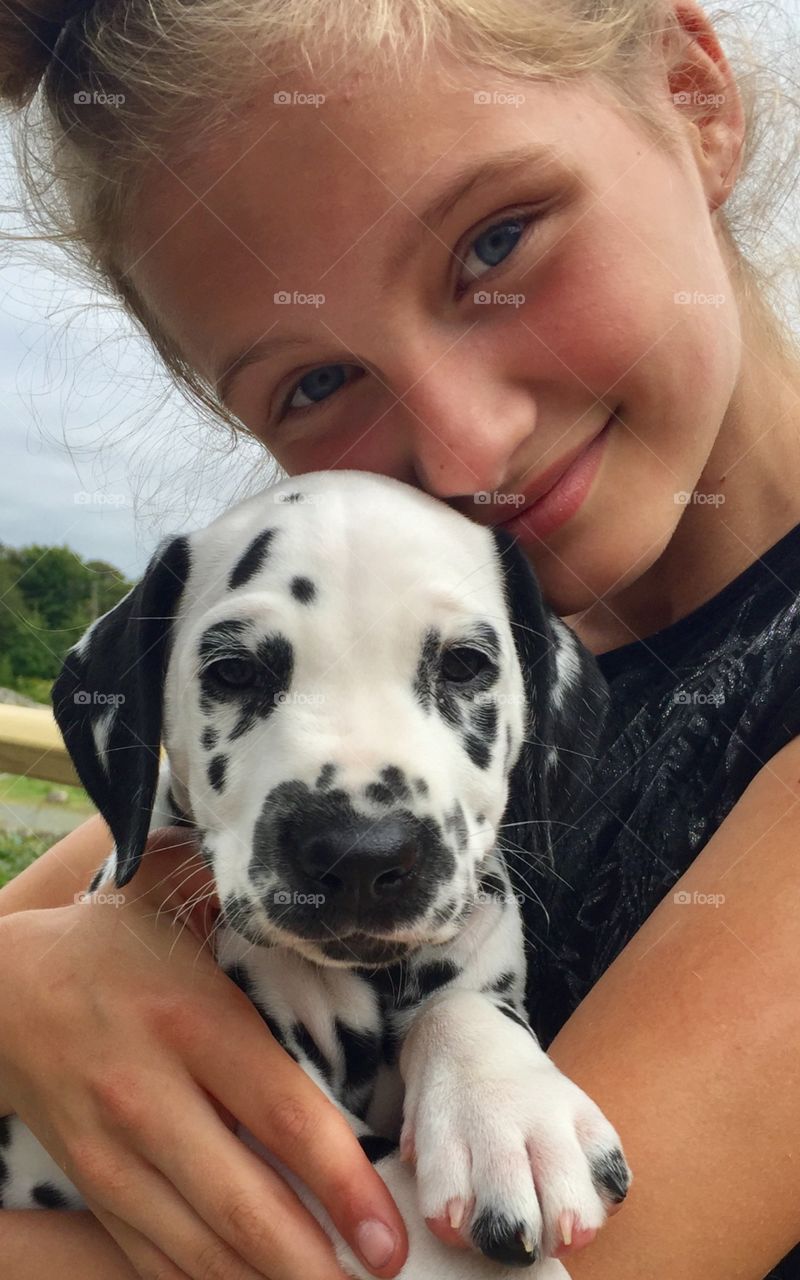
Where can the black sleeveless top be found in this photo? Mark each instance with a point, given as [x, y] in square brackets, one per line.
[698, 708]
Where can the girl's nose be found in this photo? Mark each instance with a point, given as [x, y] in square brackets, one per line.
[463, 433]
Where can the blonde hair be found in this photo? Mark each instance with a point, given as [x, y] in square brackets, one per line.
[164, 76]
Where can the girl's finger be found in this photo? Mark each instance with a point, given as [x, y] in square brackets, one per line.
[246, 1204]
[287, 1112]
[159, 1224]
[143, 1256]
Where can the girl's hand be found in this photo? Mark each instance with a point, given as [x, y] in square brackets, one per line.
[128, 1053]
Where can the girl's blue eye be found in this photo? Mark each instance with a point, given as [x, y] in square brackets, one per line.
[318, 384]
[493, 246]
[496, 243]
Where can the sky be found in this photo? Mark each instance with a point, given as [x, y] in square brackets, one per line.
[99, 452]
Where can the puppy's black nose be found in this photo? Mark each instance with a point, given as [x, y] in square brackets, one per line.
[361, 861]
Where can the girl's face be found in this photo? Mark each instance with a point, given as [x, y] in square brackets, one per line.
[463, 334]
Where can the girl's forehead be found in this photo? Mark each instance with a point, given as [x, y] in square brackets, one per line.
[321, 184]
[332, 157]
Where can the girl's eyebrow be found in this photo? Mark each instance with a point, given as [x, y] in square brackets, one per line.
[231, 366]
[465, 181]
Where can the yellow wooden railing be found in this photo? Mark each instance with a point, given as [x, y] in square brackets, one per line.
[31, 744]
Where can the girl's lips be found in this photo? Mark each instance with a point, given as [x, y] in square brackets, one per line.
[566, 497]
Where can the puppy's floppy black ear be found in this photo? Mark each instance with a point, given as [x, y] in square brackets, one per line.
[108, 702]
[568, 703]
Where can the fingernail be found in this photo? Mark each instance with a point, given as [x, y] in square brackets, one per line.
[376, 1243]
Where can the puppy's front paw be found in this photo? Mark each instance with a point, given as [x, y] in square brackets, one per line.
[511, 1156]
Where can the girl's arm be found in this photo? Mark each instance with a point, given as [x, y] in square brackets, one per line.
[690, 1043]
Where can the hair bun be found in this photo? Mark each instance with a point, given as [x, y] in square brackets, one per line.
[29, 31]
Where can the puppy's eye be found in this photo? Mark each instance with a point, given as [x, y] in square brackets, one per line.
[235, 673]
[462, 664]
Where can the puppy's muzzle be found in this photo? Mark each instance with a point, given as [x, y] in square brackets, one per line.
[320, 865]
[361, 862]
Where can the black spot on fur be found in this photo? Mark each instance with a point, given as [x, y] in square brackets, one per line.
[480, 818]
[393, 777]
[303, 589]
[421, 786]
[362, 1054]
[48, 1196]
[477, 750]
[179, 818]
[435, 974]
[275, 658]
[375, 1147]
[457, 823]
[222, 639]
[390, 1049]
[294, 497]
[96, 878]
[216, 772]
[242, 980]
[325, 776]
[486, 635]
[484, 720]
[611, 1173]
[425, 678]
[510, 1012]
[5, 1131]
[378, 793]
[502, 984]
[492, 885]
[501, 1239]
[252, 560]
[308, 1046]
[209, 737]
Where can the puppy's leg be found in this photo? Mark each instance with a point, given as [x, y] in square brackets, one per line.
[508, 1150]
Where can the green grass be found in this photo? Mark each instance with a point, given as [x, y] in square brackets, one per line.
[34, 791]
[17, 851]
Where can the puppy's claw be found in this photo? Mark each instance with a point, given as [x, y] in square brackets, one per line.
[456, 1213]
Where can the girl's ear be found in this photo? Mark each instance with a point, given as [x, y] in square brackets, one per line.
[108, 702]
[703, 88]
[568, 701]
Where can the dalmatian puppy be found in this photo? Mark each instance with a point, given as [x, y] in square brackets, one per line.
[367, 709]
